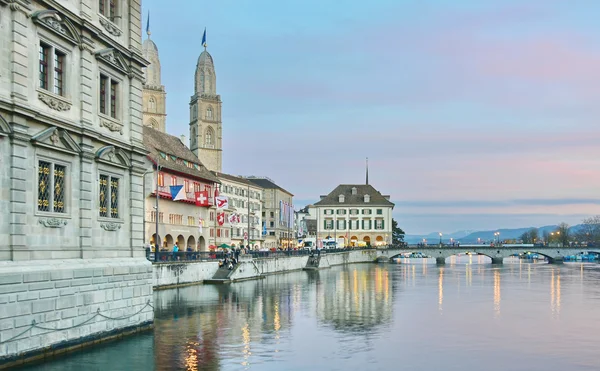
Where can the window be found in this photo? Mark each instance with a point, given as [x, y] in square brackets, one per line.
[176, 219]
[367, 224]
[173, 180]
[152, 104]
[191, 221]
[366, 211]
[51, 187]
[353, 211]
[161, 179]
[108, 196]
[108, 8]
[379, 211]
[209, 113]
[109, 90]
[354, 190]
[272, 215]
[153, 217]
[379, 224]
[367, 198]
[52, 64]
[218, 232]
[186, 185]
[271, 224]
[212, 232]
[212, 216]
[328, 224]
[208, 140]
[196, 187]
[342, 198]
[341, 211]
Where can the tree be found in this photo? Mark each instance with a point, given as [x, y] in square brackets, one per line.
[563, 234]
[397, 233]
[531, 236]
[590, 230]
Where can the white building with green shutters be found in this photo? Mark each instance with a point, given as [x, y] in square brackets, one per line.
[357, 213]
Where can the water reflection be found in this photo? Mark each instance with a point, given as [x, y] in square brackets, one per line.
[360, 317]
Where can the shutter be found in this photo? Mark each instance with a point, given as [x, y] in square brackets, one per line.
[363, 224]
[324, 224]
[382, 225]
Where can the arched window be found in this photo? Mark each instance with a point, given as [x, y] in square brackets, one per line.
[208, 139]
[193, 135]
[152, 104]
[153, 124]
[209, 113]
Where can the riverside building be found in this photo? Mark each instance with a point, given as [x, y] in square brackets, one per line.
[356, 213]
[71, 164]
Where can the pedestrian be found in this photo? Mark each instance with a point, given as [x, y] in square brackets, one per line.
[175, 251]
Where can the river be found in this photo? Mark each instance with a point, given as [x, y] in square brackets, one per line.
[466, 315]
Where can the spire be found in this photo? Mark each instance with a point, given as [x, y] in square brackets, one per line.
[367, 170]
[148, 25]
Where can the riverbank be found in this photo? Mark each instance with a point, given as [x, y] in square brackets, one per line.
[179, 274]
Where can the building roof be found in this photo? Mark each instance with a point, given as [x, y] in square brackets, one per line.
[376, 198]
[205, 58]
[156, 141]
[267, 184]
[149, 45]
[234, 178]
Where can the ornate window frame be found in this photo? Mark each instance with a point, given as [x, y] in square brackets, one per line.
[114, 163]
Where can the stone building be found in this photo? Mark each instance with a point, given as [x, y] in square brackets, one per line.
[154, 96]
[205, 115]
[71, 165]
[244, 200]
[357, 213]
[178, 221]
[278, 230]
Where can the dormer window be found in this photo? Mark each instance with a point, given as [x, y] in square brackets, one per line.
[354, 190]
[341, 198]
[367, 198]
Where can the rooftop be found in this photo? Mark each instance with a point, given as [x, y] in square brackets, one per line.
[266, 183]
[357, 198]
[164, 147]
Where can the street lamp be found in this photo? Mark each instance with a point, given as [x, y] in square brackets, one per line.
[440, 238]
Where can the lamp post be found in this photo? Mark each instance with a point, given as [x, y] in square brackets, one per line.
[144, 190]
[156, 214]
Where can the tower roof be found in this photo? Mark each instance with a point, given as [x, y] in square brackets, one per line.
[205, 59]
[149, 45]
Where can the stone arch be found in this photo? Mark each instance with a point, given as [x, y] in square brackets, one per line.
[209, 137]
[202, 244]
[367, 239]
[191, 243]
[154, 240]
[168, 241]
[181, 242]
[193, 135]
[5, 128]
[153, 123]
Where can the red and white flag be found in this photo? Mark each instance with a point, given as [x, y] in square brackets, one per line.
[221, 218]
[202, 198]
[222, 202]
[232, 218]
[200, 224]
[238, 219]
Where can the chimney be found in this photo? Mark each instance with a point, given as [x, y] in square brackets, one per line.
[182, 139]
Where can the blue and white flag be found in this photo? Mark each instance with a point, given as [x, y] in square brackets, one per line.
[204, 38]
[177, 192]
[148, 24]
[264, 231]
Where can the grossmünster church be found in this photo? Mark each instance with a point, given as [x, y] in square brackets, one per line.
[205, 130]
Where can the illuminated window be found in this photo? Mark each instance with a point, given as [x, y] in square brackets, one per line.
[108, 196]
[51, 187]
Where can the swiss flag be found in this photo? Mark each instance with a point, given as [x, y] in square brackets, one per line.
[221, 218]
[202, 198]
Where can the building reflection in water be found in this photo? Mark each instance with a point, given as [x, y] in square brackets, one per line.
[497, 297]
[555, 293]
[357, 299]
[441, 290]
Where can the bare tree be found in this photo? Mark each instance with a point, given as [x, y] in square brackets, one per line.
[563, 234]
[590, 231]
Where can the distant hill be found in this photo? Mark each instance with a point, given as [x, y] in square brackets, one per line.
[482, 236]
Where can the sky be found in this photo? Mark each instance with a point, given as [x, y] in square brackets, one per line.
[475, 115]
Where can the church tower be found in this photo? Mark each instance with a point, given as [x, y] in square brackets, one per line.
[205, 114]
[154, 109]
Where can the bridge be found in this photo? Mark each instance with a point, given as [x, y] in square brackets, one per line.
[555, 255]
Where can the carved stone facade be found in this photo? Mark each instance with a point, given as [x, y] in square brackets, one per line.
[71, 157]
[154, 104]
[205, 115]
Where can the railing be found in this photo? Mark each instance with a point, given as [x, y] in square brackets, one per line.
[194, 256]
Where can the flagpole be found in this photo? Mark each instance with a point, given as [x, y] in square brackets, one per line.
[248, 215]
[156, 214]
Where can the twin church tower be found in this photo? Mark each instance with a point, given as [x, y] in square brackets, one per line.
[205, 105]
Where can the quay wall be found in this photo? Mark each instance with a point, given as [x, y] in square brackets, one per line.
[167, 275]
[50, 307]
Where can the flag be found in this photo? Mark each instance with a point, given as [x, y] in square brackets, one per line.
[238, 219]
[221, 218]
[264, 231]
[148, 24]
[204, 38]
[200, 222]
[232, 218]
[202, 198]
[222, 202]
[177, 192]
